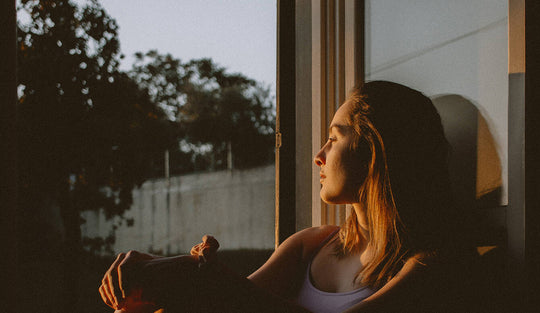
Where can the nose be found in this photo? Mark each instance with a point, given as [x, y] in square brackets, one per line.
[320, 158]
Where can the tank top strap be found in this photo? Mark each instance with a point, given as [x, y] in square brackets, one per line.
[325, 241]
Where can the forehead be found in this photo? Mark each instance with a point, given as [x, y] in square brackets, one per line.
[342, 115]
[342, 122]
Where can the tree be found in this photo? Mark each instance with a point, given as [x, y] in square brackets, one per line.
[87, 132]
[219, 115]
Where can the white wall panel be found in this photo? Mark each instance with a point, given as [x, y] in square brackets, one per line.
[449, 48]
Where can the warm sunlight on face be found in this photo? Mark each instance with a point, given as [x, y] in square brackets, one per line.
[342, 170]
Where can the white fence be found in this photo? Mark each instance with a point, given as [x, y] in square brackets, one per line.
[170, 216]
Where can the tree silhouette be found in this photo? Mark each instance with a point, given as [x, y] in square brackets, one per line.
[220, 115]
[88, 134]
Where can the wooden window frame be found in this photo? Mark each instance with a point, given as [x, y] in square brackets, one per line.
[322, 19]
[321, 40]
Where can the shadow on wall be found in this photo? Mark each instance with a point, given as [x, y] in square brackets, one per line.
[475, 167]
[476, 176]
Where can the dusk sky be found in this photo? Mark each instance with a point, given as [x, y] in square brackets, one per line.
[237, 34]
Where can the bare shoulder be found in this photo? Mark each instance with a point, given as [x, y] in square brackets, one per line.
[303, 243]
[311, 238]
[285, 268]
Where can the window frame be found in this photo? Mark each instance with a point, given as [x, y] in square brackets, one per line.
[520, 218]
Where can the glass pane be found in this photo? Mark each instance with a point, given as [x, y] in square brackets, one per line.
[144, 125]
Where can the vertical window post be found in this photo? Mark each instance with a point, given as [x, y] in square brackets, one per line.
[8, 162]
[337, 66]
[532, 149]
[285, 122]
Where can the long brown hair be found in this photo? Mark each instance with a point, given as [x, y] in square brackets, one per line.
[406, 190]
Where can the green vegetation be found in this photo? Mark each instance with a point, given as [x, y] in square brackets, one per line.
[218, 115]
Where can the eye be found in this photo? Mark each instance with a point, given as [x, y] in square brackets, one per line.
[332, 138]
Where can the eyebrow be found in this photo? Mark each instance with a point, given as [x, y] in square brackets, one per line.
[339, 127]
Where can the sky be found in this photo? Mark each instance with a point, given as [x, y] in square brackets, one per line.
[239, 35]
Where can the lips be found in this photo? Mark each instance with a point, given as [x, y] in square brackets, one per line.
[322, 177]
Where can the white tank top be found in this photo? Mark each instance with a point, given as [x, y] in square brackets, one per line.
[319, 301]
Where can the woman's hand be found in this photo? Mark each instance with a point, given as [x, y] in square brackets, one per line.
[138, 282]
[134, 304]
[115, 290]
[206, 250]
[142, 283]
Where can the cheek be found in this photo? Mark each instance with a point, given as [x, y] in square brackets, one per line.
[343, 185]
[338, 173]
[357, 164]
[354, 174]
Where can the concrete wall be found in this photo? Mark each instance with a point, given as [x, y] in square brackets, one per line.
[450, 48]
[237, 207]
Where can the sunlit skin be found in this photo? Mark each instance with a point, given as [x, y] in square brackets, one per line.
[342, 170]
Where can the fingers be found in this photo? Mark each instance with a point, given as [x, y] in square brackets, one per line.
[105, 297]
[210, 247]
[121, 278]
[123, 285]
[211, 242]
[206, 250]
[109, 287]
[114, 286]
[195, 249]
[119, 287]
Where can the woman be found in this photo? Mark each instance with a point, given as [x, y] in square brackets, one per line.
[398, 251]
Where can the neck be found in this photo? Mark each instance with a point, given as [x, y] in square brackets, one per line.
[361, 216]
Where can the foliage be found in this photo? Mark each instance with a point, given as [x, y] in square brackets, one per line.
[87, 132]
[218, 113]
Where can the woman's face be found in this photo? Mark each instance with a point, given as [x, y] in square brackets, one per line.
[342, 170]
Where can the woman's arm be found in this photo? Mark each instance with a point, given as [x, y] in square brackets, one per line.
[177, 283]
[273, 286]
[222, 290]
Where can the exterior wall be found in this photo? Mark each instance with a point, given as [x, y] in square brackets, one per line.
[237, 207]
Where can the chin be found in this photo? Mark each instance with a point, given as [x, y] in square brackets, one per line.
[332, 199]
[336, 197]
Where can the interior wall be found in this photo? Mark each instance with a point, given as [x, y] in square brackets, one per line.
[451, 50]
